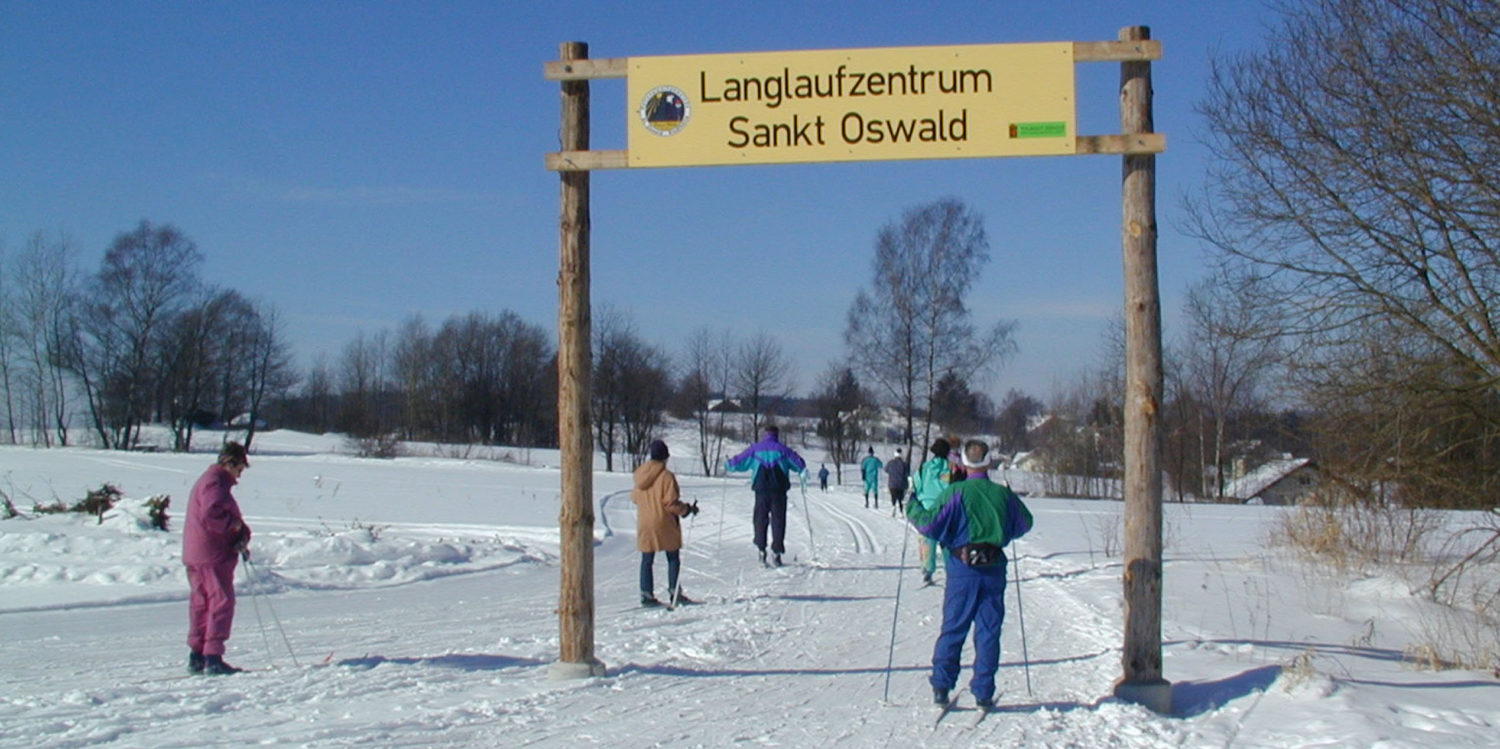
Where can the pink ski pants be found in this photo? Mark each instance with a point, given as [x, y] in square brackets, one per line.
[210, 606]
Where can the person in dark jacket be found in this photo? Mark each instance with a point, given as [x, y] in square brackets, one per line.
[974, 519]
[895, 480]
[214, 538]
[772, 463]
[823, 478]
[658, 512]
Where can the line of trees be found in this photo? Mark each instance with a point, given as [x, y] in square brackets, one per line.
[142, 340]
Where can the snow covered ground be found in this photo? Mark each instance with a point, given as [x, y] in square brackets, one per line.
[416, 598]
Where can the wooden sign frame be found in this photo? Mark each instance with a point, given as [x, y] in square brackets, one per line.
[1137, 144]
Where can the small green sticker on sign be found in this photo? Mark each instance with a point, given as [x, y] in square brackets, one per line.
[1039, 130]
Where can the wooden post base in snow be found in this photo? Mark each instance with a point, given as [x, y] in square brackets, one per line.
[566, 670]
[1155, 696]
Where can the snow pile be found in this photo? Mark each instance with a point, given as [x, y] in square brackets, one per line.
[68, 559]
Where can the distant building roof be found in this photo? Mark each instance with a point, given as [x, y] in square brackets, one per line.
[1253, 483]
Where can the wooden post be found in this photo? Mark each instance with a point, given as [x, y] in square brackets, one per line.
[575, 608]
[1142, 682]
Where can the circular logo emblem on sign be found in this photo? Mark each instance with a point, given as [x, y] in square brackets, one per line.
[665, 110]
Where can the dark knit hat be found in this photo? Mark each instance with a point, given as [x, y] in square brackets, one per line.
[658, 450]
[940, 448]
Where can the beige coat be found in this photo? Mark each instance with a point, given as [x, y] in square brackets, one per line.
[658, 508]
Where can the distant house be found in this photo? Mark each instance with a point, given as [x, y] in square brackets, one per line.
[724, 405]
[243, 420]
[1284, 481]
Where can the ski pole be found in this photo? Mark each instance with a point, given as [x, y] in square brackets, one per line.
[723, 500]
[890, 658]
[255, 601]
[250, 566]
[808, 514]
[1021, 613]
[676, 593]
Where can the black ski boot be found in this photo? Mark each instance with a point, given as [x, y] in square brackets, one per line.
[214, 665]
[649, 601]
[762, 557]
[776, 560]
[940, 696]
[195, 662]
[985, 705]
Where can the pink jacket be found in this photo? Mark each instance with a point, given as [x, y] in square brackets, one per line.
[214, 531]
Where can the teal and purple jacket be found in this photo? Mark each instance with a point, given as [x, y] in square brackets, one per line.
[763, 456]
[973, 511]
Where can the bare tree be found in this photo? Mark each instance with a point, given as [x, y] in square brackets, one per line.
[1229, 347]
[761, 376]
[267, 366]
[147, 276]
[319, 393]
[648, 379]
[363, 384]
[842, 408]
[1358, 170]
[45, 298]
[9, 359]
[1013, 425]
[416, 373]
[631, 386]
[708, 360]
[198, 352]
[913, 326]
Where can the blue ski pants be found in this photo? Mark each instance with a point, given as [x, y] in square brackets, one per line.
[971, 596]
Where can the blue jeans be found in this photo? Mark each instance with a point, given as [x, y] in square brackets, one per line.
[648, 581]
[971, 596]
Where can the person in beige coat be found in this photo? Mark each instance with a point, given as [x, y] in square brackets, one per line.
[658, 527]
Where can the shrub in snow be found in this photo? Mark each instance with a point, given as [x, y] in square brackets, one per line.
[99, 501]
[156, 507]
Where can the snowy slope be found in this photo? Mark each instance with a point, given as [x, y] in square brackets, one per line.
[417, 597]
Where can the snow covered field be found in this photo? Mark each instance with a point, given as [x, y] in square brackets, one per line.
[417, 598]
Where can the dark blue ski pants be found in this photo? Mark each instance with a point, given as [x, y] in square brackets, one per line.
[770, 510]
[971, 596]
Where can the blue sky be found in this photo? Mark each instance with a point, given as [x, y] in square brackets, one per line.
[354, 163]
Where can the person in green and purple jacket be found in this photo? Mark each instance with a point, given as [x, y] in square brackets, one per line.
[974, 520]
[772, 462]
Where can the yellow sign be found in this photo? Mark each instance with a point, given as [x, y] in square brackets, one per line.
[852, 105]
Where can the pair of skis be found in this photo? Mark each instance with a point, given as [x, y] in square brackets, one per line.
[952, 706]
[672, 602]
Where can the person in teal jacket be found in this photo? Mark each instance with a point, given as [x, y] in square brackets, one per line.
[974, 519]
[932, 478]
[870, 468]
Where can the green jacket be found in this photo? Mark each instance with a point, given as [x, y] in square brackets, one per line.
[932, 479]
[973, 511]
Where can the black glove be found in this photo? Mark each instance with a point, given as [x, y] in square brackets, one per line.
[692, 509]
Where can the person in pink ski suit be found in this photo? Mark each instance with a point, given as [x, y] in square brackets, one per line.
[214, 537]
